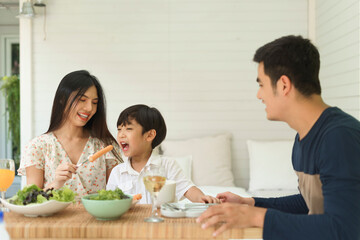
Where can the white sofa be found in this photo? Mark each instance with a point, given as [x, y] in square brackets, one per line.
[209, 166]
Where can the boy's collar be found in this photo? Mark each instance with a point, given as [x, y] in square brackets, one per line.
[154, 159]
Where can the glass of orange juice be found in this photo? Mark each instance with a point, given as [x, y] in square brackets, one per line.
[7, 175]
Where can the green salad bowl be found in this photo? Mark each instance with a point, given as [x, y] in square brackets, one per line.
[106, 209]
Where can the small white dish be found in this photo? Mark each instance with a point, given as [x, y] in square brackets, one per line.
[172, 213]
[194, 213]
[34, 210]
[176, 210]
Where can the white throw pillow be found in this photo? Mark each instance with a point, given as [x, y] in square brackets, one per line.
[271, 166]
[211, 158]
[185, 164]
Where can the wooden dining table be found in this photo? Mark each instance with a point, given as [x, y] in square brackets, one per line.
[75, 222]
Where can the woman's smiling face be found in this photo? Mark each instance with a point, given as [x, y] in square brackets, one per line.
[84, 108]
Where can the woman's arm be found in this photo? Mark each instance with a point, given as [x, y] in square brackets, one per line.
[35, 176]
[62, 173]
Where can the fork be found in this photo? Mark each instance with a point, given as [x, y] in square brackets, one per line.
[79, 164]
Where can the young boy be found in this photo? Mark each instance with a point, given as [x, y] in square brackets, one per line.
[140, 130]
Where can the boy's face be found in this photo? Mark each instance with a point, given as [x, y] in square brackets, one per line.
[132, 141]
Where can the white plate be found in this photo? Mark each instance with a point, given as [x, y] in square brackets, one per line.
[191, 210]
[34, 210]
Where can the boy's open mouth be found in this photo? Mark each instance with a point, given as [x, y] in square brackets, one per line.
[124, 146]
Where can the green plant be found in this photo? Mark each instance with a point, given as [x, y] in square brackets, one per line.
[11, 90]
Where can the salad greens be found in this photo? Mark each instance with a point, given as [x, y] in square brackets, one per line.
[33, 194]
[63, 194]
[109, 195]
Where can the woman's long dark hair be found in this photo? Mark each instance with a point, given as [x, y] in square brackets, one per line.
[79, 82]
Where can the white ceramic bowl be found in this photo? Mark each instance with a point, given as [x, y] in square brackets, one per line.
[34, 210]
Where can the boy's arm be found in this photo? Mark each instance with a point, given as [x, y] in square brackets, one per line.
[194, 194]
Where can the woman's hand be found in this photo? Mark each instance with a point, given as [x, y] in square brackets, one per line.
[233, 198]
[63, 173]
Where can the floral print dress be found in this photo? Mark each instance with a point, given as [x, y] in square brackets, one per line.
[45, 152]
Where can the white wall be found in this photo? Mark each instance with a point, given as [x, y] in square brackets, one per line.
[338, 40]
[192, 59]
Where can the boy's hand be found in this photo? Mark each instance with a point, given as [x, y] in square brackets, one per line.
[209, 199]
[233, 198]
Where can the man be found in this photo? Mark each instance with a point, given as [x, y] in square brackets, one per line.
[326, 154]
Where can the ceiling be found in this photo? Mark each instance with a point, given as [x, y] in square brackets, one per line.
[9, 4]
[9, 9]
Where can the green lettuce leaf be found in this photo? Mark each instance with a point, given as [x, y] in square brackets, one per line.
[109, 195]
[40, 199]
[32, 194]
[63, 194]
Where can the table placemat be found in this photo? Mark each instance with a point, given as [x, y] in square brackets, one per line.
[75, 222]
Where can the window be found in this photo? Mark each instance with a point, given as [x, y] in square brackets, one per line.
[10, 63]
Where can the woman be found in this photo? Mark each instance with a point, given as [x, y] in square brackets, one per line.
[77, 129]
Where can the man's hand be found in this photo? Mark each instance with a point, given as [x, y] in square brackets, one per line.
[230, 215]
[233, 198]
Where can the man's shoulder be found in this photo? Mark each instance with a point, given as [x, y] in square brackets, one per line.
[338, 120]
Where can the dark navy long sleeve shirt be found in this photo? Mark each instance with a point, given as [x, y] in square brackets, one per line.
[327, 162]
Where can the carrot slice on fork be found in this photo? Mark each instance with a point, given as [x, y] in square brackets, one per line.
[100, 153]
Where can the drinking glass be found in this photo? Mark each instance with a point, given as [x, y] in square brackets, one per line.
[7, 175]
[154, 180]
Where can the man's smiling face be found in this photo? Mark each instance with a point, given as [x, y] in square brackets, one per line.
[267, 94]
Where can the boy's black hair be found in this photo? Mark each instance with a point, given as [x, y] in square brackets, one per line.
[295, 57]
[148, 117]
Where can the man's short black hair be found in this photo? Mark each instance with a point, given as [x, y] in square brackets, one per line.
[295, 57]
[148, 117]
